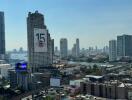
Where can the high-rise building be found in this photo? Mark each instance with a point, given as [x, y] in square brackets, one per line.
[56, 51]
[53, 46]
[39, 42]
[52, 50]
[77, 47]
[74, 50]
[124, 46]
[2, 35]
[112, 50]
[96, 49]
[21, 49]
[106, 49]
[63, 48]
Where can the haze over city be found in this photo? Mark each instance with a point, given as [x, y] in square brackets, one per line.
[65, 50]
[94, 22]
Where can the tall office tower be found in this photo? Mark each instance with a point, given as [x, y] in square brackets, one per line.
[2, 35]
[124, 46]
[63, 48]
[39, 42]
[77, 47]
[52, 50]
[112, 50]
[53, 46]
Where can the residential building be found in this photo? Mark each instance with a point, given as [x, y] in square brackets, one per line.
[124, 46]
[74, 50]
[110, 90]
[112, 50]
[63, 48]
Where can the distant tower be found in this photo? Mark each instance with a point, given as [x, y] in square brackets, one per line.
[63, 48]
[52, 50]
[74, 50]
[21, 49]
[106, 49]
[56, 49]
[112, 50]
[96, 48]
[53, 47]
[39, 42]
[2, 35]
[77, 47]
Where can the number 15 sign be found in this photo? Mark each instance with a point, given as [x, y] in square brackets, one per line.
[40, 40]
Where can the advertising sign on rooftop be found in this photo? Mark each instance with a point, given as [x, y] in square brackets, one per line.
[21, 66]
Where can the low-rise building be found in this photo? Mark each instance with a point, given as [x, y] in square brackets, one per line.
[111, 90]
[4, 70]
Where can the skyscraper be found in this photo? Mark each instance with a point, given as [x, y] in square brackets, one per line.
[74, 50]
[112, 50]
[2, 35]
[53, 46]
[52, 50]
[56, 51]
[63, 48]
[106, 49]
[124, 46]
[77, 47]
[39, 42]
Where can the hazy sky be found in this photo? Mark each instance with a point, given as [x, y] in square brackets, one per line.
[94, 22]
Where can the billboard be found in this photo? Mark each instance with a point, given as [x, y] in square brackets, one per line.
[55, 82]
[21, 66]
[40, 40]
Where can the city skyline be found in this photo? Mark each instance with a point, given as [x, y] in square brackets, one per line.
[93, 22]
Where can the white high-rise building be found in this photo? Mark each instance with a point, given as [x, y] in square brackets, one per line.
[112, 50]
[63, 48]
[76, 49]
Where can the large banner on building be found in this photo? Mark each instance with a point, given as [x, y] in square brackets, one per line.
[40, 40]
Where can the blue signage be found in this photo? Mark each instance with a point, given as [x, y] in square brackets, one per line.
[21, 66]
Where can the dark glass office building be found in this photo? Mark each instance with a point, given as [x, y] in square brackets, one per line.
[2, 35]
